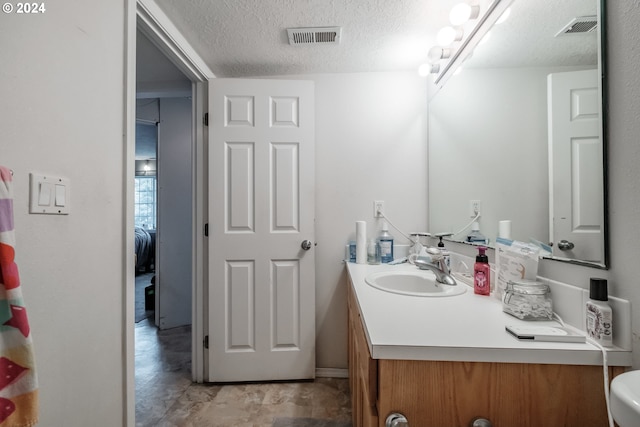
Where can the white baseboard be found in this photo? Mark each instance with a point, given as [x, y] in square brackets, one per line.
[332, 373]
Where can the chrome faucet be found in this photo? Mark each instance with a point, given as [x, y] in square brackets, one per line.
[439, 267]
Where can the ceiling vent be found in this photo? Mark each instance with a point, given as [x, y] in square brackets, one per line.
[579, 25]
[315, 35]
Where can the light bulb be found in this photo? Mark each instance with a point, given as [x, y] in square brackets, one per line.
[146, 166]
[448, 35]
[463, 12]
[424, 70]
[437, 53]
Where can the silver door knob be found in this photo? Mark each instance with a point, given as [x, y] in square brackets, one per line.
[306, 245]
[565, 245]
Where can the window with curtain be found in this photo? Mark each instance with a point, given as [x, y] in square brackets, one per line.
[145, 202]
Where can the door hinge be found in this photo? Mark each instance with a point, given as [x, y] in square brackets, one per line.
[205, 119]
[206, 341]
[206, 230]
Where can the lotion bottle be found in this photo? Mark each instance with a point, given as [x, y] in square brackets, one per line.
[599, 315]
[482, 273]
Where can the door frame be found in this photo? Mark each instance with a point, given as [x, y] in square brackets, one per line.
[146, 16]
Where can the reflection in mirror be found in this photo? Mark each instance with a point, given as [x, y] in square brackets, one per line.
[521, 130]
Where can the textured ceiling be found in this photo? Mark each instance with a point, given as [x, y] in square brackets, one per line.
[241, 38]
[248, 37]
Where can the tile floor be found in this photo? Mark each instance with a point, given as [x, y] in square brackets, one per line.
[166, 397]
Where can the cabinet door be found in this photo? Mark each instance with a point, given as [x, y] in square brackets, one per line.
[363, 371]
[436, 394]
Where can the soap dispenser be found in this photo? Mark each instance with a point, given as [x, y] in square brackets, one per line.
[445, 253]
[482, 273]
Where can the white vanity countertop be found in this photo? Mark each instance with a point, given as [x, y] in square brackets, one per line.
[466, 327]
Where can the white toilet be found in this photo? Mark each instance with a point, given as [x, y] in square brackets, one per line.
[625, 399]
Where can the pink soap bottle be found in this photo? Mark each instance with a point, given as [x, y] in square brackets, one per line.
[482, 273]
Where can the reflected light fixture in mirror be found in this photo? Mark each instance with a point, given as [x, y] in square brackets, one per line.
[504, 16]
[437, 53]
[448, 35]
[463, 12]
[425, 69]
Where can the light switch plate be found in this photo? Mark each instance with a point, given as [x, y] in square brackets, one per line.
[55, 199]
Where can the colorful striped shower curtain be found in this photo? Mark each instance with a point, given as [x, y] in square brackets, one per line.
[18, 382]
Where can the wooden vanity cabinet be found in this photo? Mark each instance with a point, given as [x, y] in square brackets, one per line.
[449, 394]
[363, 370]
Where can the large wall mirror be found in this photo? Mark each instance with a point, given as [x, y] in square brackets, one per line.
[521, 129]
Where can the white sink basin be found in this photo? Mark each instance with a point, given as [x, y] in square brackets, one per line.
[625, 399]
[414, 283]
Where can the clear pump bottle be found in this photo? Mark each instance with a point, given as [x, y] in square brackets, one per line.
[373, 252]
[385, 240]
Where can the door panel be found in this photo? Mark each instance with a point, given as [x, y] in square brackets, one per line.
[261, 207]
[240, 187]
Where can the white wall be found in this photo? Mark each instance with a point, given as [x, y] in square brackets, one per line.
[61, 112]
[371, 131]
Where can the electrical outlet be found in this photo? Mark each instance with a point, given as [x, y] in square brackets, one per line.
[475, 208]
[378, 208]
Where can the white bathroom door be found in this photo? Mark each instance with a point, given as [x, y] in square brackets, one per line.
[261, 210]
[575, 165]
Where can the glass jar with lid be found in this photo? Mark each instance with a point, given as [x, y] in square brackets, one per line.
[528, 300]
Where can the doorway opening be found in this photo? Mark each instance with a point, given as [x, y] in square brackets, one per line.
[163, 200]
[146, 19]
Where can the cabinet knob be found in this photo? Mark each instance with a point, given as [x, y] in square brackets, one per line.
[396, 420]
[480, 422]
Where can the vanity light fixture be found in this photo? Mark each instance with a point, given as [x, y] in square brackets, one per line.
[463, 12]
[460, 14]
[476, 18]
